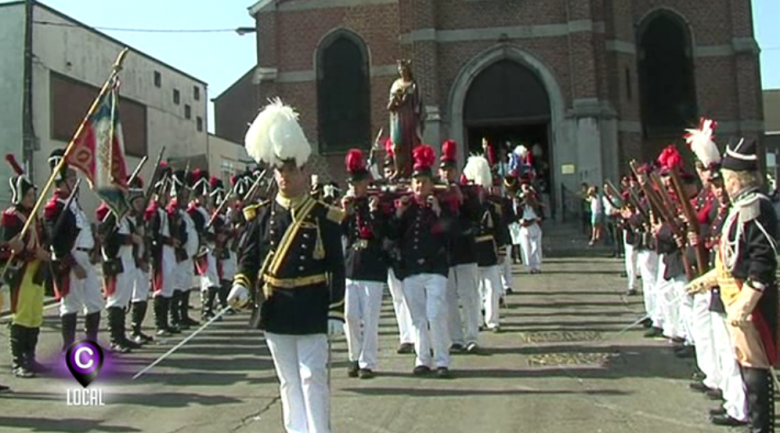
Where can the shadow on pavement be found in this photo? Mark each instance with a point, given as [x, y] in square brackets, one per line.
[62, 425]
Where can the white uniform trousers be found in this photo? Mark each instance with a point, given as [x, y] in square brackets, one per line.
[301, 365]
[229, 266]
[706, 356]
[363, 305]
[647, 262]
[183, 276]
[141, 285]
[506, 272]
[490, 288]
[426, 295]
[170, 272]
[83, 295]
[632, 261]
[123, 291]
[463, 304]
[211, 277]
[531, 247]
[671, 293]
[685, 312]
[731, 383]
[401, 307]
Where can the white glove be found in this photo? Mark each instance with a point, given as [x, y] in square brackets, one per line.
[238, 297]
[335, 327]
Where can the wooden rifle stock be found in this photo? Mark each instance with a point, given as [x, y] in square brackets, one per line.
[692, 219]
[670, 212]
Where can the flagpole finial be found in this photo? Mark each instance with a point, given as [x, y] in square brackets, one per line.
[120, 59]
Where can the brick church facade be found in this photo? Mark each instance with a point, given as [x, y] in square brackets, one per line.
[590, 84]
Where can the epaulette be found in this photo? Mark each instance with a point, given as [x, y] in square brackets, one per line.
[334, 213]
[9, 218]
[250, 212]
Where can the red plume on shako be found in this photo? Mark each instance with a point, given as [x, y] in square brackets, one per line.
[424, 158]
[356, 165]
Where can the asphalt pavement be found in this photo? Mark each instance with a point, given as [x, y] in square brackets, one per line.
[560, 365]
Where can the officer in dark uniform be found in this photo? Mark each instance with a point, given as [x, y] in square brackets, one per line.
[295, 248]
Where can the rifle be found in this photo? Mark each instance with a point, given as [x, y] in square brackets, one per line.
[154, 180]
[61, 217]
[613, 195]
[691, 218]
[255, 186]
[670, 215]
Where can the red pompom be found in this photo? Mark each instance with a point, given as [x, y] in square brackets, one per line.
[15, 165]
[355, 161]
[389, 147]
[449, 151]
[233, 179]
[424, 157]
[464, 180]
[670, 158]
[214, 182]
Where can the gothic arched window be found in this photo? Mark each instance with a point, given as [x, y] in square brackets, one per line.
[343, 93]
[666, 76]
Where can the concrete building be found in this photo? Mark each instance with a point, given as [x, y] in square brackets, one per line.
[595, 83]
[160, 105]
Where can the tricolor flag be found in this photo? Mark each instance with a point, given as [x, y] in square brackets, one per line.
[99, 152]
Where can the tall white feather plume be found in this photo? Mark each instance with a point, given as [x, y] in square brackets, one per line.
[276, 136]
[702, 145]
[521, 151]
[477, 170]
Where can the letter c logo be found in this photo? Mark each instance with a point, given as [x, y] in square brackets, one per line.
[77, 357]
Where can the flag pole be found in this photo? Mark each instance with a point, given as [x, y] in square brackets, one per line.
[106, 86]
[42, 196]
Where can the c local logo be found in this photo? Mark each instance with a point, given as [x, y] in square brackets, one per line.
[84, 359]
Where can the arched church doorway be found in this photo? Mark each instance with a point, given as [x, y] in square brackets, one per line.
[508, 105]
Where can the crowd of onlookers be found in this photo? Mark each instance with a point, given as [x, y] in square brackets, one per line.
[600, 219]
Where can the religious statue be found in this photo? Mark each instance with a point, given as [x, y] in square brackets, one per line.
[407, 117]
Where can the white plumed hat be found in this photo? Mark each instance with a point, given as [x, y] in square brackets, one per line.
[276, 137]
[702, 144]
[477, 170]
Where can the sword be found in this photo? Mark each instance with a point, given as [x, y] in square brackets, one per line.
[181, 343]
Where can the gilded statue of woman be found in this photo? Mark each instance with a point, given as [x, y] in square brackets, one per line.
[407, 116]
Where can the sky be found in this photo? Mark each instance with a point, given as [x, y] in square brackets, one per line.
[220, 58]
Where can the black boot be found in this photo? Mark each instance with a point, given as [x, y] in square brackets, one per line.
[224, 291]
[68, 322]
[91, 326]
[138, 313]
[184, 311]
[123, 326]
[212, 294]
[161, 316]
[19, 343]
[32, 343]
[175, 309]
[115, 331]
[206, 305]
[760, 399]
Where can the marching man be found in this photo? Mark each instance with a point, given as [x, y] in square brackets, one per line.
[295, 248]
[164, 245]
[419, 226]
[366, 269]
[462, 282]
